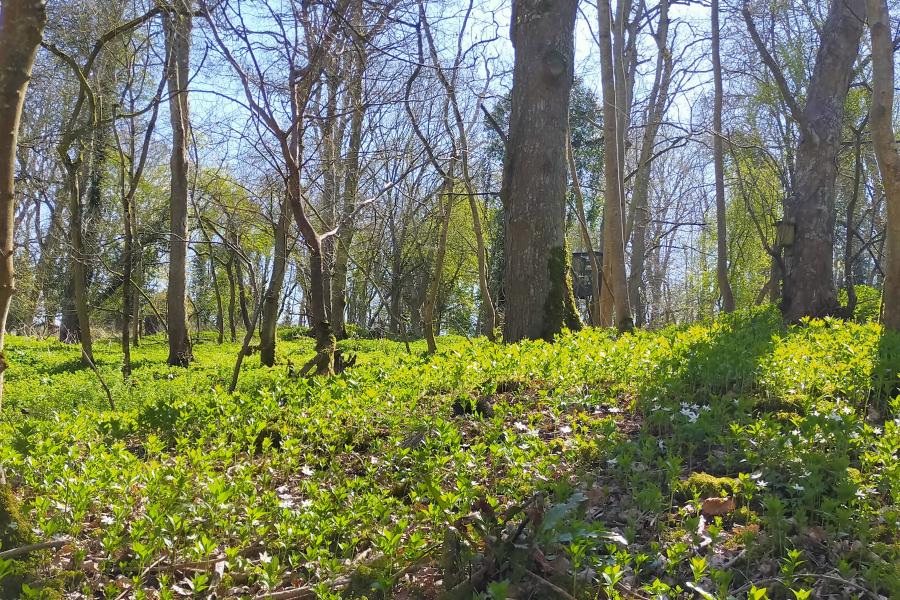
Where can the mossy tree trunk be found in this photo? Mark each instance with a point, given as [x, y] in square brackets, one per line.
[21, 28]
[535, 169]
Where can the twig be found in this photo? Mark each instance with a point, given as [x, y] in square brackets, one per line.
[832, 578]
[552, 586]
[301, 593]
[51, 545]
[90, 362]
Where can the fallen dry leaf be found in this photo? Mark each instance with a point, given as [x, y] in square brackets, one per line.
[717, 507]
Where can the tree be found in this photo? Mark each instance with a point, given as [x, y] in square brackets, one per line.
[178, 23]
[288, 134]
[536, 280]
[809, 214]
[21, 28]
[884, 143]
[614, 296]
[640, 209]
[719, 167]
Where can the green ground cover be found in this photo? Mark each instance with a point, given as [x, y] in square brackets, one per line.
[711, 460]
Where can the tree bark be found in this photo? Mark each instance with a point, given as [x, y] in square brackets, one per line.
[445, 209]
[808, 288]
[884, 143]
[21, 27]
[849, 216]
[656, 108]
[614, 297]
[719, 168]
[232, 324]
[351, 188]
[272, 298]
[596, 266]
[178, 25]
[537, 286]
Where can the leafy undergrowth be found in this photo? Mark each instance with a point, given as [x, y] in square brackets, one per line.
[709, 461]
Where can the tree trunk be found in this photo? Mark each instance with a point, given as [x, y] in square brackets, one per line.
[351, 188]
[21, 27]
[127, 268]
[719, 169]
[232, 325]
[445, 209]
[537, 286]
[242, 295]
[220, 313]
[615, 285]
[849, 216]
[884, 143]
[808, 288]
[272, 297]
[79, 267]
[178, 24]
[596, 267]
[656, 108]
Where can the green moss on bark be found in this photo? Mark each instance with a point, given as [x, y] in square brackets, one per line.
[560, 310]
[14, 531]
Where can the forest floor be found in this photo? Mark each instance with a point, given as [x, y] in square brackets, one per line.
[728, 459]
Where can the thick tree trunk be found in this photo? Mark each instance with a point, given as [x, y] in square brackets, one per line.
[178, 25]
[719, 169]
[808, 287]
[21, 27]
[272, 297]
[884, 143]
[615, 292]
[537, 285]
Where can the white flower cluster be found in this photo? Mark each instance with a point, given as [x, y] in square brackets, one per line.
[692, 411]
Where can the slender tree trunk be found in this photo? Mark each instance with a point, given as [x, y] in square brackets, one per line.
[615, 294]
[178, 25]
[849, 216]
[537, 284]
[351, 188]
[21, 27]
[480, 247]
[445, 209]
[596, 267]
[127, 267]
[232, 325]
[79, 269]
[272, 297]
[136, 296]
[719, 169]
[242, 295]
[640, 199]
[220, 313]
[884, 143]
